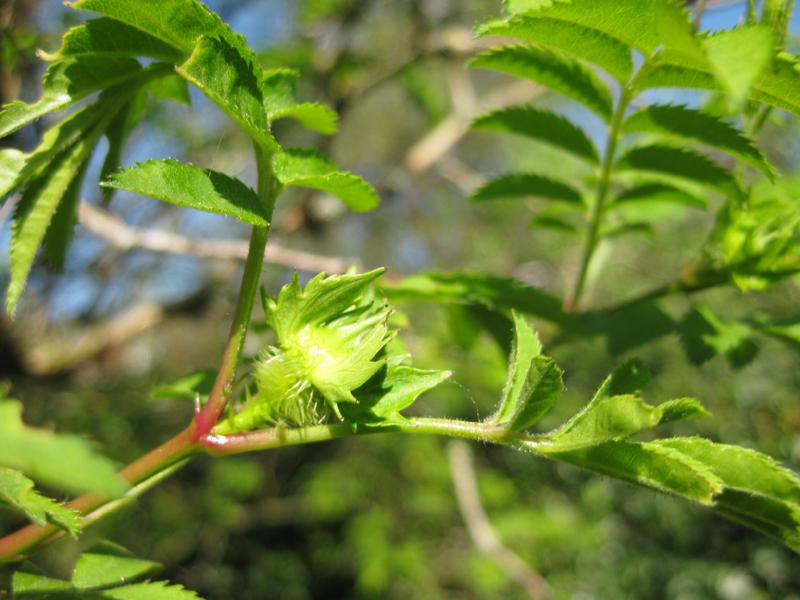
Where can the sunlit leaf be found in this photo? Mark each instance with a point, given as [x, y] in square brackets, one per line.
[186, 185]
[18, 491]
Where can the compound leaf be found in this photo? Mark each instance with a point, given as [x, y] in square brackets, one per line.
[308, 168]
[187, 185]
[541, 125]
[558, 72]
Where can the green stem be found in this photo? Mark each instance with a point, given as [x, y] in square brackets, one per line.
[186, 443]
[268, 190]
[598, 207]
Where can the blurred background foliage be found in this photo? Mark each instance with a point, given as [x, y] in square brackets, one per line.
[376, 517]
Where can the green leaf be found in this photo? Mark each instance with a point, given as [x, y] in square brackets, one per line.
[540, 125]
[628, 328]
[311, 115]
[38, 587]
[497, 293]
[111, 37]
[513, 185]
[396, 389]
[17, 490]
[558, 72]
[223, 74]
[186, 185]
[36, 210]
[758, 491]
[581, 41]
[151, 590]
[67, 82]
[12, 161]
[109, 565]
[534, 382]
[650, 465]
[739, 57]
[703, 127]
[616, 417]
[704, 335]
[555, 224]
[631, 377]
[678, 162]
[642, 24]
[178, 23]
[620, 229]
[170, 87]
[308, 168]
[62, 227]
[655, 193]
[63, 461]
[116, 134]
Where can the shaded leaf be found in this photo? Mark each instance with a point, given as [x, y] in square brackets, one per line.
[525, 185]
[186, 185]
[541, 125]
[62, 227]
[186, 388]
[308, 168]
[678, 162]
[311, 115]
[109, 566]
[497, 293]
[655, 193]
[579, 40]
[17, 490]
[558, 72]
[554, 223]
[705, 335]
[703, 127]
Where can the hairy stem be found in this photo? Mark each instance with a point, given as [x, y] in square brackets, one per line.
[598, 207]
[268, 190]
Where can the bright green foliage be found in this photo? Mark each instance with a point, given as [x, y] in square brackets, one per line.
[741, 484]
[558, 72]
[193, 187]
[328, 336]
[526, 184]
[105, 571]
[534, 381]
[582, 42]
[739, 57]
[539, 124]
[36, 210]
[707, 129]
[17, 491]
[640, 24]
[65, 83]
[12, 161]
[222, 74]
[109, 37]
[391, 390]
[307, 168]
[61, 461]
[330, 351]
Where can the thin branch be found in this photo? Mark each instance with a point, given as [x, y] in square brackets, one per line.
[431, 148]
[126, 237]
[480, 529]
